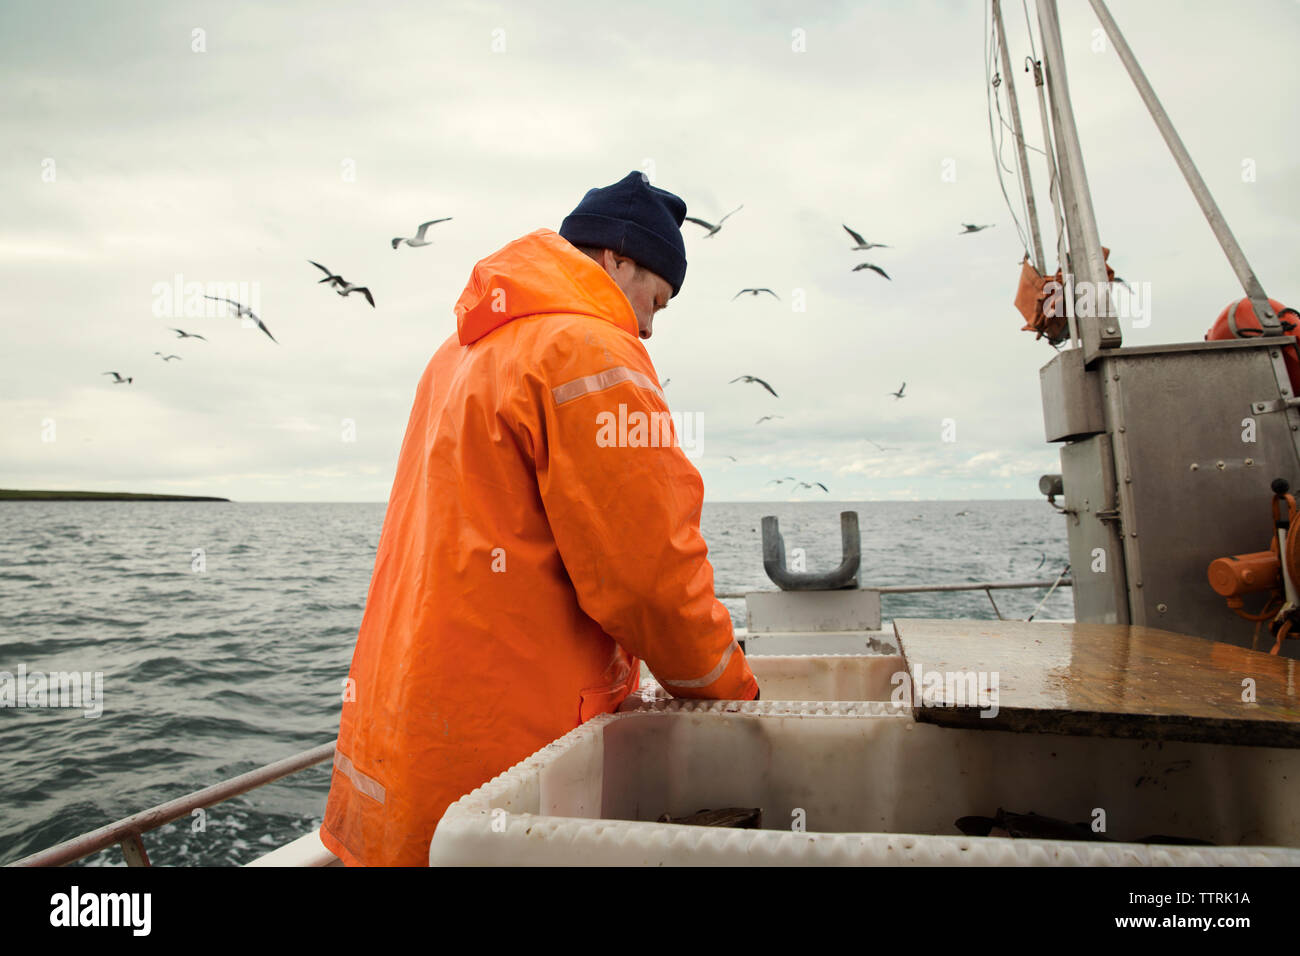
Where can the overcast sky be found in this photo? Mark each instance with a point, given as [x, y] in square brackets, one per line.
[134, 149]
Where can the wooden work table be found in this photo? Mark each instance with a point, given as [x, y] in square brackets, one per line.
[1098, 680]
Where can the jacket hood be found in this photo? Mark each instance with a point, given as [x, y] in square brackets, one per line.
[537, 274]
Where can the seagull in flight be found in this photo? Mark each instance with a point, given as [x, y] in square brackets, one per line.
[181, 333]
[419, 239]
[349, 287]
[898, 394]
[167, 358]
[710, 226]
[755, 292]
[969, 228]
[732, 457]
[751, 378]
[867, 265]
[815, 484]
[766, 418]
[330, 277]
[862, 244]
[880, 446]
[118, 379]
[241, 311]
[345, 287]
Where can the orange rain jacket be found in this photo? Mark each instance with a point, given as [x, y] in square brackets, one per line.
[527, 560]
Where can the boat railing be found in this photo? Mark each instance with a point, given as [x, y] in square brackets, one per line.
[988, 587]
[128, 832]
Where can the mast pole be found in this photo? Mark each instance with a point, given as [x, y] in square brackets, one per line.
[1054, 193]
[1097, 327]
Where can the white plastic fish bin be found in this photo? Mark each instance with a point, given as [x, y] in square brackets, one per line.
[808, 677]
[868, 786]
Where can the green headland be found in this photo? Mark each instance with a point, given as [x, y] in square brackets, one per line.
[14, 494]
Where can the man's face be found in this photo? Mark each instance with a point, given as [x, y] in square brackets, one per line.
[646, 291]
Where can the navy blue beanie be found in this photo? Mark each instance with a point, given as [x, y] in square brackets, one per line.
[636, 220]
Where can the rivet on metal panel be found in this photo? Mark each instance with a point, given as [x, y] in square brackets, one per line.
[1162, 608]
[1139, 584]
[1128, 479]
[1220, 465]
[1110, 330]
[1274, 354]
[1195, 466]
[1132, 534]
[1122, 428]
[1115, 377]
[1250, 461]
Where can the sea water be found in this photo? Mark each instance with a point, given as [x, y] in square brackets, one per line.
[223, 633]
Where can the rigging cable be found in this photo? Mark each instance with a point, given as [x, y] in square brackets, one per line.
[1049, 151]
[1053, 185]
[1030, 30]
[995, 141]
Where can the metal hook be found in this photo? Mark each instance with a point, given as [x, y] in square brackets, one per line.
[845, 576]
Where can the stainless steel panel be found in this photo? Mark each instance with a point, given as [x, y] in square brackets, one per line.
[846, 610]
[1096, 553]
[1193, 489]
[1071, 397]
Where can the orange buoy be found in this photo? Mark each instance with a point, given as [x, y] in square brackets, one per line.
[1238, 321]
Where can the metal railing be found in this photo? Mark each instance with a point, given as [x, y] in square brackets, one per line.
[127, 832]
[987, 587]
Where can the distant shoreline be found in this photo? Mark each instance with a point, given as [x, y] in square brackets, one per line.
[13, 494]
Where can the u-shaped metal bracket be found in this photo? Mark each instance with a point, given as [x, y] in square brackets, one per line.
[845, 576]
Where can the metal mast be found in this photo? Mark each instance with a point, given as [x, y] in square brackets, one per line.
[1097, 329]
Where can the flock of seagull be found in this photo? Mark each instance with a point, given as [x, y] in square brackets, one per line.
[860, 244]
[344, 288]
[339, 284]
[796, 482]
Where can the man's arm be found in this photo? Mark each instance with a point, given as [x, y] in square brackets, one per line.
[624, 505]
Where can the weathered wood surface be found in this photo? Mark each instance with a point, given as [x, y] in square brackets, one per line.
[1099, 680]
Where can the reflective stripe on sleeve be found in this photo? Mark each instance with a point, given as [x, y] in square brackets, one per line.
[712, 675]
[371, 787]
[600, 381]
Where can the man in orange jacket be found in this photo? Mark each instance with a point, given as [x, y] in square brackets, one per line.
[527, 563]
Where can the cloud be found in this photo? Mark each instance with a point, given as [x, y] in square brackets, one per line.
[232, 164]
